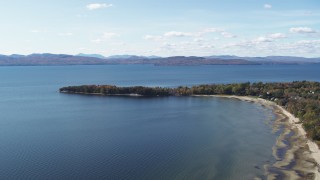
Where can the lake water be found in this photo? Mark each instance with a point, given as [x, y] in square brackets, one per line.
[48, 135]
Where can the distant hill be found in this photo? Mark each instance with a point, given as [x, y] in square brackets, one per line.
[91, 55]
[273, 59]
[47, 59]
[132, 57]
[125, 57]
[96, 59]
[153, 57]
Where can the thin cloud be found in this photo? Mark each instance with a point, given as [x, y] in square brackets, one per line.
[109, 35]
[81, 15]
[97, 41]
[262, 40]
[96, 6]
[105, 36]
[228, 35]
[65, 34]
[153, 38]
[218, 30]
[257, 42]
[177, 34]
[277, 36]
[269, 38]
[302, 30]
[201, 33]
[267, 6]
[212, 30]
[35, 31]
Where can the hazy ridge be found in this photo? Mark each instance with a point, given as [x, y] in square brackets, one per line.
[97, 59]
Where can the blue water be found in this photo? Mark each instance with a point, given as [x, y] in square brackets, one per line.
[48, 135]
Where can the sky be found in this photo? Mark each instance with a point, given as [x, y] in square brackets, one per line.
[161, 28]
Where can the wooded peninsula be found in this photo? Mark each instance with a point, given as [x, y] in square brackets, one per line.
[300, 98]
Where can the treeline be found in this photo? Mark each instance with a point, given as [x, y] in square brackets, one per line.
[114, 90]
[301, 98]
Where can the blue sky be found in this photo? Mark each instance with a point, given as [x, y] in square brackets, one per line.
[163, 28]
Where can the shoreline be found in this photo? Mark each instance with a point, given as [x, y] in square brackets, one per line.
[302, 156]
[100, 94]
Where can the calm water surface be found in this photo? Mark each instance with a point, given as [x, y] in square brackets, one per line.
[47, 135]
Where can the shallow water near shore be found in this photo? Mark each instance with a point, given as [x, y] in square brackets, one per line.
[138, 138]
[47, 135]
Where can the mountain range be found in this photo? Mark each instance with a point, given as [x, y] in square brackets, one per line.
[97, 59]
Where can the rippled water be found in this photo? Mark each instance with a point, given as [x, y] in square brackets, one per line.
[47, 135]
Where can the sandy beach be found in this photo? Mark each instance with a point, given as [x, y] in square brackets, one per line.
[302, 156]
